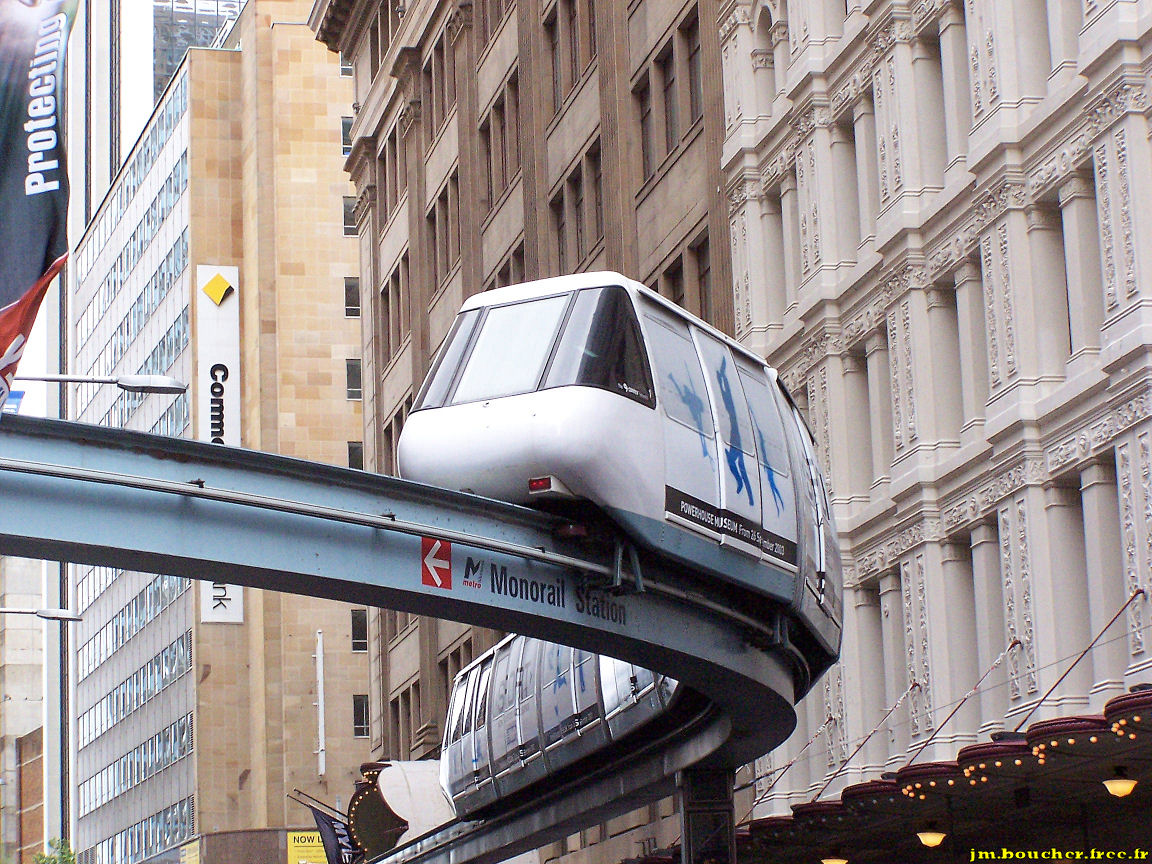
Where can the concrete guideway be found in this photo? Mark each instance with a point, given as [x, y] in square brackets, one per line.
[88, 494]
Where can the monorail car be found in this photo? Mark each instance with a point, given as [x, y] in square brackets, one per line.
[593, 388]
[527, 709]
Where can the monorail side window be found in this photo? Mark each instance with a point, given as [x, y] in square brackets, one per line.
[766, 422]
[511, 349]
[601, 347]
[447, 364]
[454, 713]
[482, 697]
[680, 378]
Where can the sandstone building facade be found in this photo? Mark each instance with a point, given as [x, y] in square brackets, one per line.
[500, 141]
[190, 727]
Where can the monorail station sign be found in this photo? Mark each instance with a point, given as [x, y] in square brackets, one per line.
[515, 589]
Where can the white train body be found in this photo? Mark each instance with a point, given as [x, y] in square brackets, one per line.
[527, 709]
[593, 387]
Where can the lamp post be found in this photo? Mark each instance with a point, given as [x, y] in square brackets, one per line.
[59, 776]
[131, 383]
[47, 614]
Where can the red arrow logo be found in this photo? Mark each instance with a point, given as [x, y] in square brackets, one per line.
[436, 563]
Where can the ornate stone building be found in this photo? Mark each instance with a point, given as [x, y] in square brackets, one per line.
[498, 141]
[935, 237]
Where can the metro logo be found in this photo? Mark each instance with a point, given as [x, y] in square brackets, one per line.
[436, 563]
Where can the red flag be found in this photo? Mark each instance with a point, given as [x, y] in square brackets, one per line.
[33, 175]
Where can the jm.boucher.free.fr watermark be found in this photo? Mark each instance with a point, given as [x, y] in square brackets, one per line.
[1055, 854]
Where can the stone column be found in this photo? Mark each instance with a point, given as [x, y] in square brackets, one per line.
[963, 664]
[1105, 576]
[781, 55]
[868, 669]
[947, 367]
[1064, 20]
[764, 78]
[773, 261]
[1082, 263]
[867, 166]
[847, 194]
[957, 98]
[790, 215]
[880, 405]
[1067, 582]
[1049, 318]
[991, 633]
[892, 624]
[859, 427]
[931, 113]
[970, 326]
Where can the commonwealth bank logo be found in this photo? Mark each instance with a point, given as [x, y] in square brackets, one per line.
[217, 288]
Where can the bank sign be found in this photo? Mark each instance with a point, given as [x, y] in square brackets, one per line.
[217, 314]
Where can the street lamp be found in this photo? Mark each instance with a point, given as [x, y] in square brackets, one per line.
[131, 383]
[47, 614]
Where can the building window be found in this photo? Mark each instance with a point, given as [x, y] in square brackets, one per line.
[352, 368]
[345, 66]
[576, 196]
[590, 13]
[351, 296]
[647, 145]
[345, 135]
[488, 16]
[597, 189]
[695, 70]
[571, 42]
[667, 66]
[552, 35]
[360, 724]
[349, 216]
[359, 630]
[559, 225]
[356, 455]
[704, 280]
[500, 140]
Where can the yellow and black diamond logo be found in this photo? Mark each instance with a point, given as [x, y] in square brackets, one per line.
[218, 288]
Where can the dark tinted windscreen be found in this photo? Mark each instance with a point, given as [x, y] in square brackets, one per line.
[601, 347]
[439, 383]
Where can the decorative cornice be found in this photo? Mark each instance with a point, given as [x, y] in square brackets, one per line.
[822, 343]
[1010, 194]
[409, 116]
[895, 31]
[460, 20]
[891, 286]
[974, 506]
[736, 18]
[1097, 434]
[886, 552]
[859, 83]
[743, 189]
[1124, 97]
[364, 203]
[813, 117]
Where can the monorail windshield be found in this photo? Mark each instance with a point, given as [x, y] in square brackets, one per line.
[587, 338]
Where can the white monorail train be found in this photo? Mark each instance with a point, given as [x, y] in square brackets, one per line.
[527, 709]
[592, 388]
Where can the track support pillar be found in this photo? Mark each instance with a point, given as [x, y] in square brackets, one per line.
[707, 817]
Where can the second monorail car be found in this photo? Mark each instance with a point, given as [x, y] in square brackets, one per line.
[527, 709]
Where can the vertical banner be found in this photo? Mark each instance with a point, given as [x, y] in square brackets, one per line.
[216, 308]
[33, 177]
